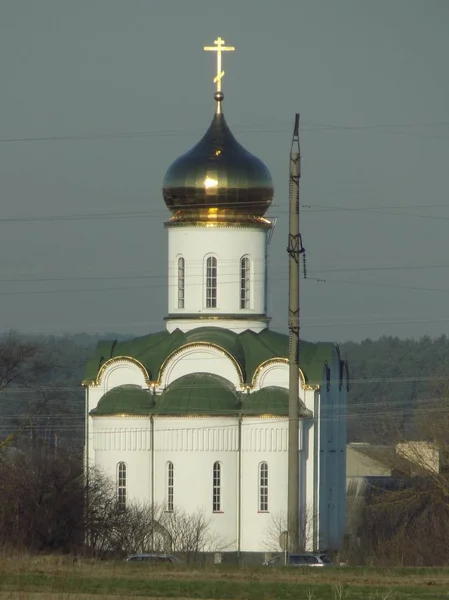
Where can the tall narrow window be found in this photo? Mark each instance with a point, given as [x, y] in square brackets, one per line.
[181, 281]
[211, 282]
[245, 285]
[263, 487]
[216, 494]
[121, 485]
[170, 486]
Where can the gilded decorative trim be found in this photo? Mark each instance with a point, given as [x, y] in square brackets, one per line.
[280, 360]
[120, 415]
[243, 224]
[117, 359]
[179, 350]
[158, 417]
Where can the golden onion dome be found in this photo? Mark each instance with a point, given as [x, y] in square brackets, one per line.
[218, 180]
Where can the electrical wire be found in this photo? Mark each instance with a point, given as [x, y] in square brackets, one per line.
[400, 129]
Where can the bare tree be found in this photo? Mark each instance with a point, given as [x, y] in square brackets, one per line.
[41, 500]
[278, 525]
[190, 534]
[406, 518]
[16, 359]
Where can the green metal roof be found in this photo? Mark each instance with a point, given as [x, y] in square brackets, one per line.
[125, 399]
[196, 393]
[270, 400]
[248, 348]
[199, 393]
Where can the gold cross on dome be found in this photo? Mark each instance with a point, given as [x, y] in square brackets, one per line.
[219, 48]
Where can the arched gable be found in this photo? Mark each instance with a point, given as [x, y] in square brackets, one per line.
[274, 372]
[200, 357]
[122, 370]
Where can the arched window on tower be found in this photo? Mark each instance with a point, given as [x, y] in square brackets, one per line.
[216, 492]
[211, 282]
[245, 282]
[170, 486]
[121, 485]
[181, 281]
[263, 487]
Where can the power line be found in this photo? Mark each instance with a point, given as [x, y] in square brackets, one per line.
[276, 266]
[230, 281]
[401, 129]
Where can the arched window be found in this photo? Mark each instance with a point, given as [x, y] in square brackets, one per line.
[263, 487]
[121, 485]
[170, 486]
[245, 283]
[216, 494]
[211, 282]
[181, 281]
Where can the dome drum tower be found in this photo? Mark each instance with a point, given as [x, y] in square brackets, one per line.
[218, 194]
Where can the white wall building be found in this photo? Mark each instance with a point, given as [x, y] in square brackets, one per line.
[196, 416]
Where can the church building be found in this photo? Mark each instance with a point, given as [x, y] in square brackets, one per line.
[195, 416]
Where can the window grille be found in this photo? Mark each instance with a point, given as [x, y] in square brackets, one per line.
[245, 283]
[181, 281]
[170, 486]
[216, 495]
[121, 485]
[263, 487]
[211, 282]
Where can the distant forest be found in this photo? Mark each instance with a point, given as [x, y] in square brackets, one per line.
[393, 383]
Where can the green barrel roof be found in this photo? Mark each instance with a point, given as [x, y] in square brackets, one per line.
[249, 349]
[125, 400]
[199, 393]
[271, 400]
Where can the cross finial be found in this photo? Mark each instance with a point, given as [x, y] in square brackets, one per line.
[219, 48]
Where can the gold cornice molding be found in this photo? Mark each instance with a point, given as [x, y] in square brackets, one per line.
[242, 223]
[120, 415]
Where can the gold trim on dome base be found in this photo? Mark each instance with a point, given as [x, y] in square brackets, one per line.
[214, 217]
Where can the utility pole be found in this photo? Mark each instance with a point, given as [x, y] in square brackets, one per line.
[294, 250]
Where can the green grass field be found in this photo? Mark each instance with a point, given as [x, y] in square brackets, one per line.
[38, 578]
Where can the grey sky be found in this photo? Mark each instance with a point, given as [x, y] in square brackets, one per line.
[370, 80]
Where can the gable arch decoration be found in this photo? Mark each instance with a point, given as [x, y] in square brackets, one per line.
[187, 351]
[118, 361]
[272, 363]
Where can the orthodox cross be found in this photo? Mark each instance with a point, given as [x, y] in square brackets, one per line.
[219, 48]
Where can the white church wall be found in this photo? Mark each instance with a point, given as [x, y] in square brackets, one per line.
[309, 479]
[322, 494]
[193, 446]
[200, 358]
[263, 440]
[114, 374]
[127, 440]
[228, 244]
